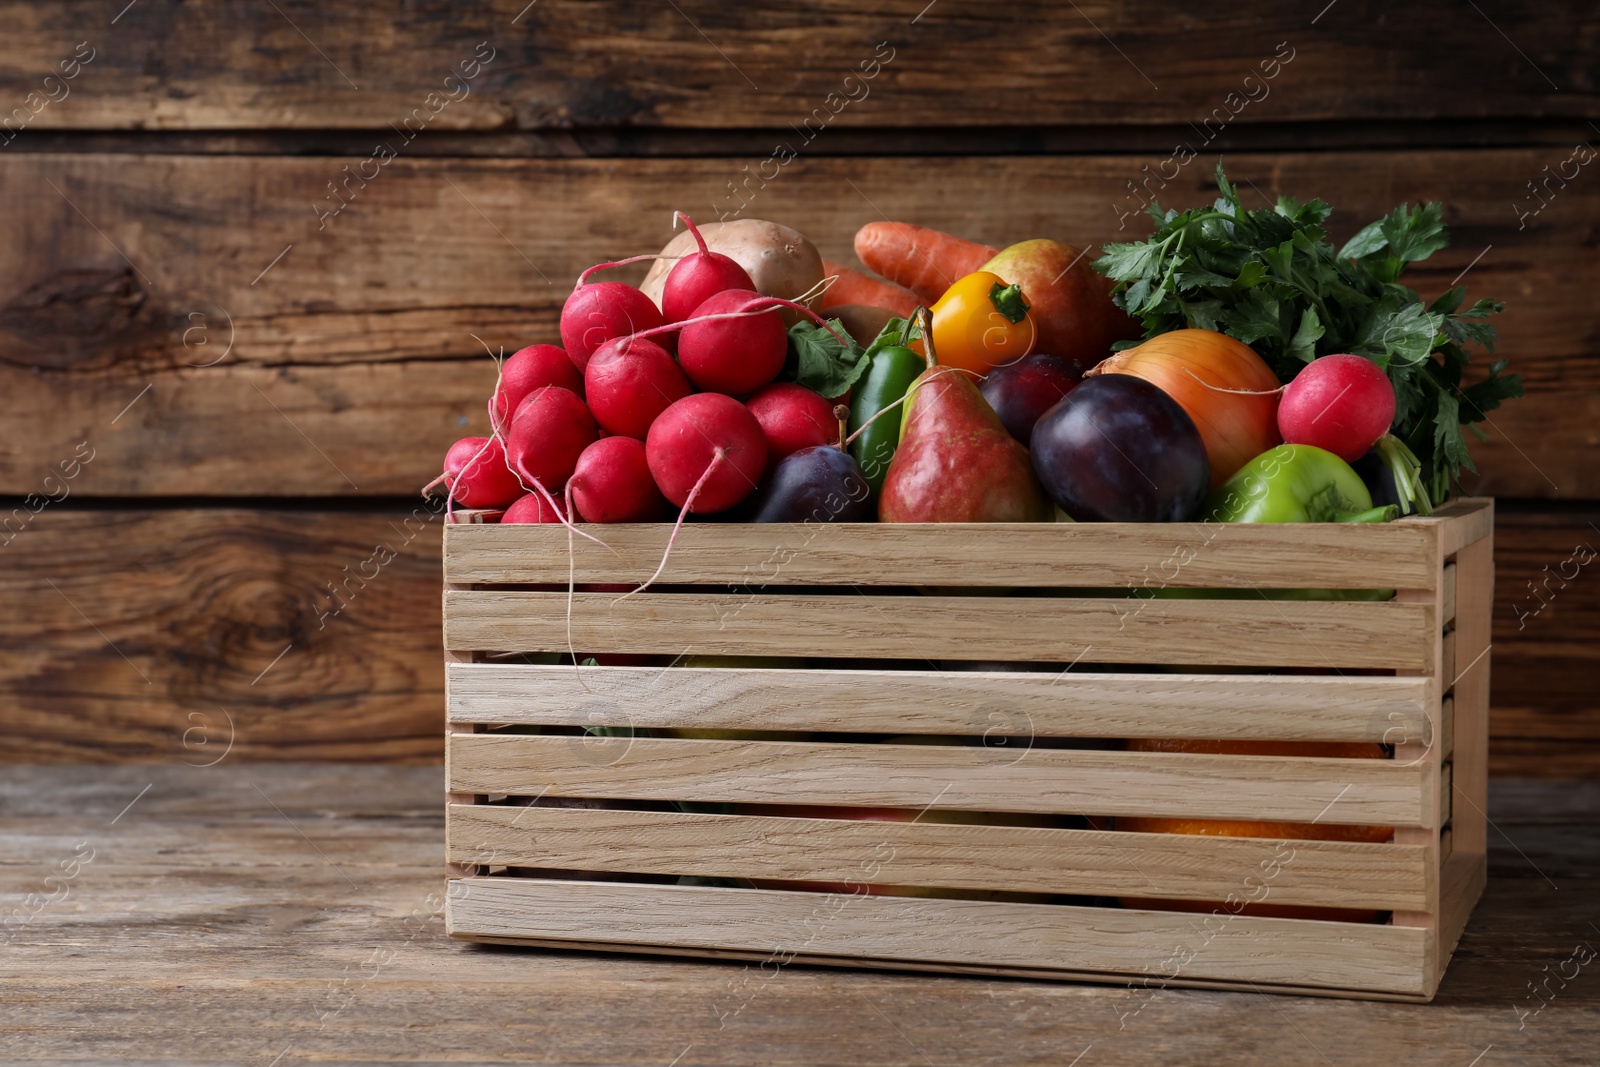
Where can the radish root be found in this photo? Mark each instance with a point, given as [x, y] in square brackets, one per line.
[572, 579]
[688, 502]
[818, 290]
[538, 487]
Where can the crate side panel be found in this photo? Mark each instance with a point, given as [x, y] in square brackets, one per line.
[1122, 555]
[1026, 859]
[1040, 629]
[1383, 959]
[991, 704]
[1277, 788]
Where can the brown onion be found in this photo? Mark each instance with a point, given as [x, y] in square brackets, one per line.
[1228, 390]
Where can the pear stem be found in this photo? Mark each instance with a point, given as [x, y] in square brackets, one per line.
[842, 413]
[924, 319]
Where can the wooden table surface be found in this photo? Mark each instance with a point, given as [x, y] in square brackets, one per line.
[274, 914]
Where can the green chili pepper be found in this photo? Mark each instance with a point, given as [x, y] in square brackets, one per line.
[1291, 483]
[890, 373]
[1296, 483]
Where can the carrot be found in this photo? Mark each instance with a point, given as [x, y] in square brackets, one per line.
[923, 260]
[853, 287]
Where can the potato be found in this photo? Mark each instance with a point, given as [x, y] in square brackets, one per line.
[779, 260]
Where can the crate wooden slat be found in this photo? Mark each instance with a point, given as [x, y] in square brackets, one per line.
[590, 834]
[1365, 792]
[1026, 859]
[993, 703]
[1252, 633]
[1100, 942]
[1015, 554]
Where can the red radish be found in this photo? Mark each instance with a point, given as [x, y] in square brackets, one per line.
[612, 483]
[698, 276]
[530, 509]
[550, 429]
[792, 417]
[706, 452]
[527, 370]
[476, 473]
[598, 311]
[629, 381]
[733, 355]
[1339, 403]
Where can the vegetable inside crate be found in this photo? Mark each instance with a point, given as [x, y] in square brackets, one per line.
[714, 806]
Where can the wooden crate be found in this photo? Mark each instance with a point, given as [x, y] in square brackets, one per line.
[881, 612]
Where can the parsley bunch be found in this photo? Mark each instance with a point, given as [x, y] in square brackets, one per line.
[1272, 279]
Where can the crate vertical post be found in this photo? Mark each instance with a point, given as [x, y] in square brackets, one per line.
[1465, 870]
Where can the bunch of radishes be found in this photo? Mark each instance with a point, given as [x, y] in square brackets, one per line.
[612, 427]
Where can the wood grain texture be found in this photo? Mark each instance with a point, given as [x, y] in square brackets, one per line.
[1138, 556]
[203, 884]
[171, 634]
[1002, 706]
[357, 341]
[1083, 940]
[1013, 858]
[1546, 631]
[1368, 792]
[1038, 629]
[234, 65]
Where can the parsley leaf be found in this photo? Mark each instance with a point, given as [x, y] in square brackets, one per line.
[1302, 345]
[1415, 235]
[820, 361]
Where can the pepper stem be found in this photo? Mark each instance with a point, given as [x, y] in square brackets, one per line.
[1008, 300]
[1387, 513]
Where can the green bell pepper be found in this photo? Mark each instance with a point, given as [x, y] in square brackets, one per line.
[1296, 483]
[891, 370]
[1292, 483]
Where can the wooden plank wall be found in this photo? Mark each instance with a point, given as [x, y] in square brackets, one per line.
[239, 381]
